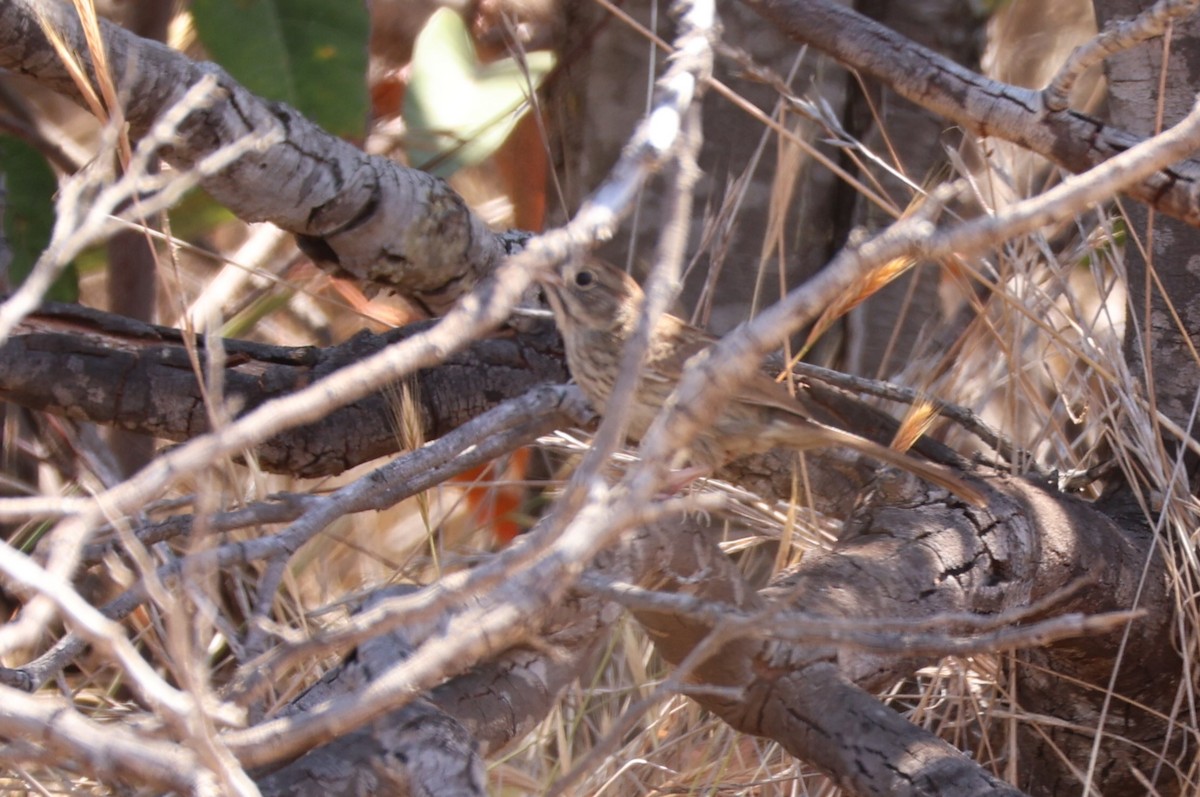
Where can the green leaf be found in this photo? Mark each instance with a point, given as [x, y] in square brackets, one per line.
[457, 110]
[311, 54]
[29, 214]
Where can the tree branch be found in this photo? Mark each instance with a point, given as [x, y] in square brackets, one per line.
[985, 107]
[384, 224]
[917, 562]
[138, 376]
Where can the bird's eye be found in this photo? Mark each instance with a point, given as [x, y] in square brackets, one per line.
[584, 278]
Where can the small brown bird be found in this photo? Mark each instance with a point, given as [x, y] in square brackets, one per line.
[596, 307]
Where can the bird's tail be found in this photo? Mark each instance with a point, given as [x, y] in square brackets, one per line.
[931, 472]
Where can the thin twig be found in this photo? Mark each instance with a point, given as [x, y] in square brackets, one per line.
[735, 358]
[939, 635]
[474, 443]
[90, 624]
[964, 417]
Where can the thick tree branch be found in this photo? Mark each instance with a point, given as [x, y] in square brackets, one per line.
[952, 560]
[138, 376]
[899, 563]
[495, 703]
[386, 225]
[985, 107]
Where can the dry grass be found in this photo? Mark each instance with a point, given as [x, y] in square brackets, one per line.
[1040, 359]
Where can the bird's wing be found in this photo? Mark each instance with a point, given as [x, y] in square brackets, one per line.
[677, 342]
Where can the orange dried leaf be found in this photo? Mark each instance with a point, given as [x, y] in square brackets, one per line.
[866, 287]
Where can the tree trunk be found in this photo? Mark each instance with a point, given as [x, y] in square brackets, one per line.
[1157, 345]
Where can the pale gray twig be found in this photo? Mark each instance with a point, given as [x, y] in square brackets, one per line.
[735, 358]
[107, 636]
[480, 440]
[940, 635]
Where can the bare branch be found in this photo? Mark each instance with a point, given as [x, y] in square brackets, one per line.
[495, 703]
[98, 750]
[385, 224]
[704, 388]
[985, 107]
[1150, 24]
[474, 443]
[138, 376]
[940, 635]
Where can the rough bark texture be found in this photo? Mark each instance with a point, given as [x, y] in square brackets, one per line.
[385, 225]
[985, 107]
[433, 746]
[798, 695]
[907, 561]
[135, 376]
[1070, 680]
[1174, 248]
[901, 557]
[413, 751]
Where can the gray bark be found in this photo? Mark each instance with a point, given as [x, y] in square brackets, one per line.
[985, 107]
[386, 225]
[136, 376]
[1171, 371]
